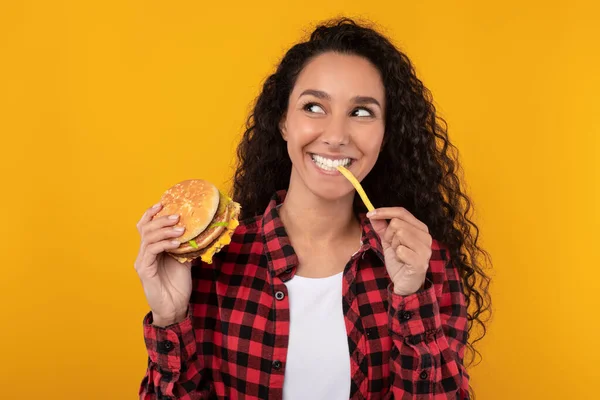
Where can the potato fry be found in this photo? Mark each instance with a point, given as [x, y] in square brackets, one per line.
[357, 186]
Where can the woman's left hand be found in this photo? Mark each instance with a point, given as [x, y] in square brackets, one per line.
[406, 246]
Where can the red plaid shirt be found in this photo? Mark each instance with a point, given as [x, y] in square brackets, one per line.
[233, 344]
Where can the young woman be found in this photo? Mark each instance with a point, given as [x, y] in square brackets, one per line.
[314, 298]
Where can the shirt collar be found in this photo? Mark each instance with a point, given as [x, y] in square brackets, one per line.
[278, 249]
[370, 240]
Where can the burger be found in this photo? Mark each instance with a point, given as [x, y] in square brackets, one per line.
[208, 216]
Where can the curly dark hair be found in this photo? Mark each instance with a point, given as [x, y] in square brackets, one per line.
[417, 168]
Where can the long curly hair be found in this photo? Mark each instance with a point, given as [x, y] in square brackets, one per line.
[417, 168]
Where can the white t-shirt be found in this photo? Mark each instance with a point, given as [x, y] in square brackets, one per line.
[318, 358]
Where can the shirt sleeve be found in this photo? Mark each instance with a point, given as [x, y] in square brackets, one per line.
[173, 363]
[429, 331]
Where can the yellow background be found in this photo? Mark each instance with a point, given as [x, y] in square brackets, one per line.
[103, 105]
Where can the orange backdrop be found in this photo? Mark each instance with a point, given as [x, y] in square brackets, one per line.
[103, 105]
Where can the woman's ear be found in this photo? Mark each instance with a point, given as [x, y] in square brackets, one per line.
[283, 128]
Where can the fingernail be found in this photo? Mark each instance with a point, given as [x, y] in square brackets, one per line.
[154, 207]
[175, 242]
[178, 229]
[371, 213]
[173, 217]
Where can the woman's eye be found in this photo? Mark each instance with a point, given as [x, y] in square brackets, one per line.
[314, 108]
[362, 112]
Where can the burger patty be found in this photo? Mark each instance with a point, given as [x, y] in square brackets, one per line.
[209, 235]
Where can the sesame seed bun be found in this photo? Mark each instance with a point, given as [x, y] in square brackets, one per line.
[195, 201]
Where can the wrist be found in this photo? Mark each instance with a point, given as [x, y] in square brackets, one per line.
[162, 322]
[402, 290]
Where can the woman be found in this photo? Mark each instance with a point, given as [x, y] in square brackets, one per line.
[313, 298]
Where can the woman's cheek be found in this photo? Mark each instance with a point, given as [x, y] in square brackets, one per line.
[309, 129]
[369, 141]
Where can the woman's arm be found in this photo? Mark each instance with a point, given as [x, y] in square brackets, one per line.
[178, 367]
[174, 370]
[429, 332]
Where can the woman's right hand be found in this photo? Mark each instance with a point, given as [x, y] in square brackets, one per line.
[167, 283]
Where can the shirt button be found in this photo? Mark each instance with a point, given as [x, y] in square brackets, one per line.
[287, 275]
[424, 375]
[276, 364]
[167, 345]
[279, 295]
[406, 315]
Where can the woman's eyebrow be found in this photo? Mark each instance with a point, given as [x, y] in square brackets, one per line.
[325, 96]
[317, 93]
[366, 100]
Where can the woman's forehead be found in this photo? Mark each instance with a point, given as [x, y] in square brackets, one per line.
[340, 75]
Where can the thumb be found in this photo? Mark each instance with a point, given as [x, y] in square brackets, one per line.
[380, 226]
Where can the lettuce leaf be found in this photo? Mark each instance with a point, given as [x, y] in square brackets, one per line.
[225, 224]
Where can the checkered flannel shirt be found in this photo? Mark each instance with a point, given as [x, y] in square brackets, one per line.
[233, 343]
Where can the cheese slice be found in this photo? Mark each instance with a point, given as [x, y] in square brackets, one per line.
[222, 241]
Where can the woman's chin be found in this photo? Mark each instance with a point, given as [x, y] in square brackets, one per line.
[331, 194]
[330, 189]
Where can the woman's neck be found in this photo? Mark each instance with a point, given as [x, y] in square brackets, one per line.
[309, 219]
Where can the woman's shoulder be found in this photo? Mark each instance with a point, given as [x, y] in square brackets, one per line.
[439, 250]
[246, 237]
[248, 226]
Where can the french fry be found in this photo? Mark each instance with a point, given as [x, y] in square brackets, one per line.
[357, 186]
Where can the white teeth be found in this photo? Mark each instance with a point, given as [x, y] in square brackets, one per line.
[328, 164]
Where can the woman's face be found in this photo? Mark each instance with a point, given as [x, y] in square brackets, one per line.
[335, 117]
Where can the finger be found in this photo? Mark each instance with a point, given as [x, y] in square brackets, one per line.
[407, 256]
[159, 223]
[153, 250]
[396, 241]
[380, 228]
[147, 217]
[418, 247]
[409, 235]
[163, 234]
[156, 248]
[400, 213]
[400, 238]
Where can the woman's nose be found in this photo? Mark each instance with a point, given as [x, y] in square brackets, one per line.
[336, 134]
